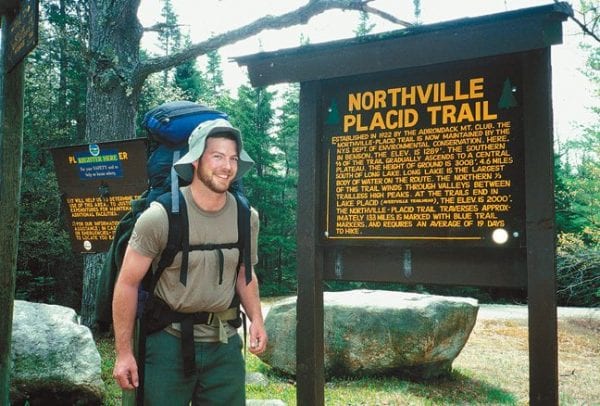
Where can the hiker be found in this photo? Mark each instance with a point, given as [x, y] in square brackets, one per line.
[214, 276]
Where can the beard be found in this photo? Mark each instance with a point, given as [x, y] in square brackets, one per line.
[212, 182]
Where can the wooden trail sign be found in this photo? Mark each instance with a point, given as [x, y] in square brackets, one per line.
[98, 182]
[426, 157]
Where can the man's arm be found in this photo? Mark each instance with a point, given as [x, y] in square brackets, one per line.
[250, 299]
[135, 266]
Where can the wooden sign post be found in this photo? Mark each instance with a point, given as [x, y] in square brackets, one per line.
[13, 50]
[426, 157]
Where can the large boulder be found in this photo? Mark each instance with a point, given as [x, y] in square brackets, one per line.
[54, 358]
[375, 332]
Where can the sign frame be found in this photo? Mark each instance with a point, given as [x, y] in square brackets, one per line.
[407, 258]
[528, 33]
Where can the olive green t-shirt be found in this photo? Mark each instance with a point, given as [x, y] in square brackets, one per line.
[204, 291]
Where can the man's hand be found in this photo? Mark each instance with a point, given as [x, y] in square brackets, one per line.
[258, 338]
[250, 299]
[126, 372]
[135, 266]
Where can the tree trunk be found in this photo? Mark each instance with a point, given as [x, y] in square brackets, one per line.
[112, 99]
[92, 264]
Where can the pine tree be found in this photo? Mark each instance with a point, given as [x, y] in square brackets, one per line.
[253, 113]
[189, 79]
[286, 144]
[169, 35]
[364, 26]
[214, 88]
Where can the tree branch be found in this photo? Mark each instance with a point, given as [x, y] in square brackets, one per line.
[385, 16]
[158, 27]
[584, 27]
[299, 16]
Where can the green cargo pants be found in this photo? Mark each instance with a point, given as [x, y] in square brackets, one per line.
[219, 378]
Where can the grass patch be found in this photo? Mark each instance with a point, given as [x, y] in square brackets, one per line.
[112, 395]
[492, 369]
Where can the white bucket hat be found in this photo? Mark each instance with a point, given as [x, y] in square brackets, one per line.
[197, 143]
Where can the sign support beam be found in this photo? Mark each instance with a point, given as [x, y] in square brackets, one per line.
[541, 245]
[309, 332]
[11, 151]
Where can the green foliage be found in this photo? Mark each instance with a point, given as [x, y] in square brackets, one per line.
[62, 55]
[578, 269]
[169, 36]
[417, 12]
[153, 94]
[566, 219]
[364, 26]
[186, 81]
[253, 114]
[189, 79]
[577, 202]
[182, 83]
[271, 141]
[584, 183]
[214, 87]
[47, 269]
[283, 218]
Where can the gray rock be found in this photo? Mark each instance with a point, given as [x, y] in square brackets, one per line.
[257, 379]
[54, 358]
[377, 333]
[265, 402]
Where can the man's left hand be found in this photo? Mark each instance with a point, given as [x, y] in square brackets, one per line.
[258, 338]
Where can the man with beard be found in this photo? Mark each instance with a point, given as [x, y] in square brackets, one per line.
[214, 276]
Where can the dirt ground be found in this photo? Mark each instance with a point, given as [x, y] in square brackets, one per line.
[497, 353]
[501, 334]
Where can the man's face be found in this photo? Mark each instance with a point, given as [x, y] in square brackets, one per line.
[218, 165]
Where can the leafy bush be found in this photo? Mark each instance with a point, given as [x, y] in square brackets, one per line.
[578, 269]
[47, 270]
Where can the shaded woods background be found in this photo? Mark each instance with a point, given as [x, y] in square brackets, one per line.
[55, 114]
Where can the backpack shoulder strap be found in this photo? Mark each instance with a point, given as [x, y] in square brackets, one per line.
[244, 235]
[178, 236]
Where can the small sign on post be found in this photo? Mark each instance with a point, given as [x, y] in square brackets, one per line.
[98, 182]
[22, 33]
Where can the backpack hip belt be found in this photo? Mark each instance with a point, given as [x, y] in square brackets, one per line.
[158, 315]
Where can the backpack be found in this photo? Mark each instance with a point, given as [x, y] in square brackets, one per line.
[168, 127]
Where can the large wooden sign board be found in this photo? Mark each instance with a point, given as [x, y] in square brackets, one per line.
[426, 157]
[430, 155]
[98, 182]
